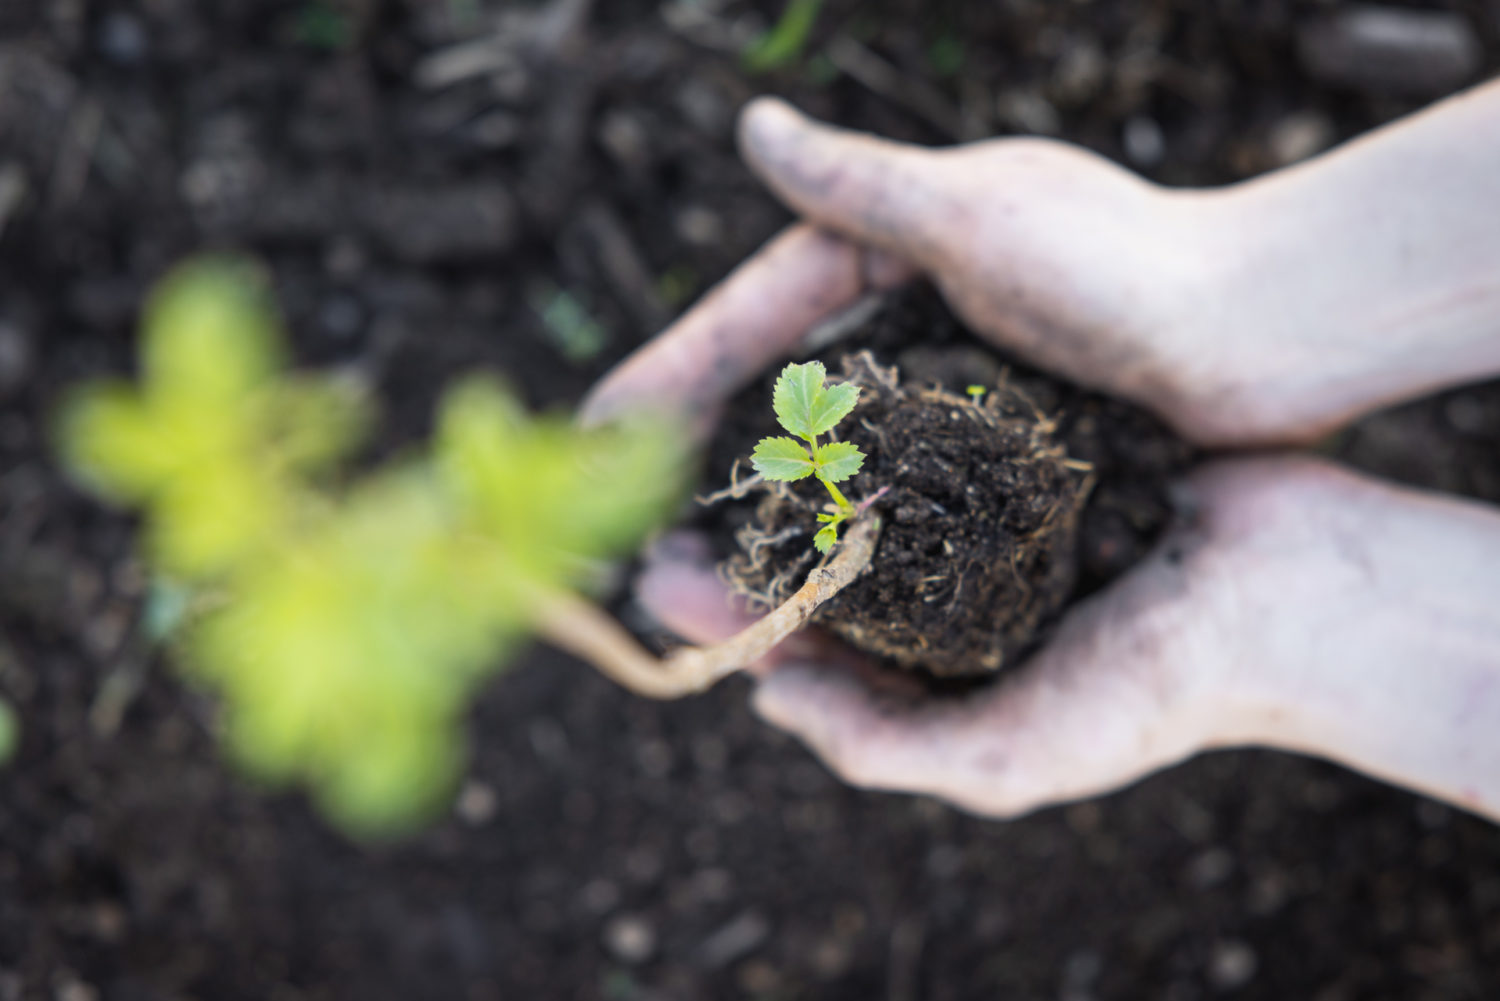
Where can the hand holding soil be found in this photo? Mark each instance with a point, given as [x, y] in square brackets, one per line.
[1295, 605]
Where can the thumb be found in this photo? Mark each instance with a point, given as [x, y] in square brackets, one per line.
[903, 199]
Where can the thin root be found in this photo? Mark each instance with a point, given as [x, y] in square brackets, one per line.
[580, 628]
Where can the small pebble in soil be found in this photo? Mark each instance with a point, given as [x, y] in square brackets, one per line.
[1144, 142]
[757, 978]
[477, 803]
[1269, 892]
[734, 941]
[341, 316]
[122, 39]
[599, 896]
[15, 357]
[1210, 868]
[630, 938]
[1027, 111]
[67, 987]
[1390, 50]
[1299, 136]
[1231, 965]
[1080, 971]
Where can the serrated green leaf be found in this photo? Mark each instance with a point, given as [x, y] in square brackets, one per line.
[807, 407]
[832, 405]
[838, 460]
[795, 395]
[826, 537]
[781, 459]
[828, 517]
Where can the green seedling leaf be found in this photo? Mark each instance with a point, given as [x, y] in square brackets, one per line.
[10, 733]
[785, 42]
[838, 460]
[345, 623]
[782, 459]
[826, 537]
[807, 407]
[793, 397]
[833, 405]
[828, 518]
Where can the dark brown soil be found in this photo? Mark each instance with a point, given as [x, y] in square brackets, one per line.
[993, 520]
[606, 847]
[979, 513]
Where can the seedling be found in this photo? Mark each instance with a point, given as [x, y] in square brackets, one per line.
[809, 408]
[346, 622]
[9, 733]
[784, 42]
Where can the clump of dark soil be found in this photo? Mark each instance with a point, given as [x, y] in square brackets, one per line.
[979, 527]
[997, 513]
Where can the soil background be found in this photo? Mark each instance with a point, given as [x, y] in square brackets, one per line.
[440, 185]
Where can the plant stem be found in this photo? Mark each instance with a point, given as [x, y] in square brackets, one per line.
[581, 628]
[843, 502]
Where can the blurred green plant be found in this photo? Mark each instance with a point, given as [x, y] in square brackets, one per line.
[785, 41]
[345, 625]
[569, 325]
[946, 54]
[321, 25]
[10, 732]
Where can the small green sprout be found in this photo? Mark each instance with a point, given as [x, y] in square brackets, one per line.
[10, 733]
[784, 42]
[809, 408]
[976, 393]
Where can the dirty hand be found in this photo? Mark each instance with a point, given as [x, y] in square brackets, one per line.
[1297, 606]
[1263, 313]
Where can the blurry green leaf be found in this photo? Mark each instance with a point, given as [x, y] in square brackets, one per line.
[210, 333]
[677, 285]
[320, 25]
[345, 628]
[786, 40]
[826, 537]
[113, 442]
[315, 422]
[10, 732]
[571, 328]
[783, 459]
[198, 442]
[838, 460]
[946, 54]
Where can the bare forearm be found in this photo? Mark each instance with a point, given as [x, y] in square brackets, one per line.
[1375, 269]
[1395, 667]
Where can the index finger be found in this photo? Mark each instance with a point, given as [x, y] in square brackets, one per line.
[801, 278]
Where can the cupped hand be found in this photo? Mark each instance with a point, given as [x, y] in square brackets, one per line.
[1296, 606]
[1050, 251]
[1292, 605]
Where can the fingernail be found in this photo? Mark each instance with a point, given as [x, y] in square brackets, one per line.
[765, 125]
